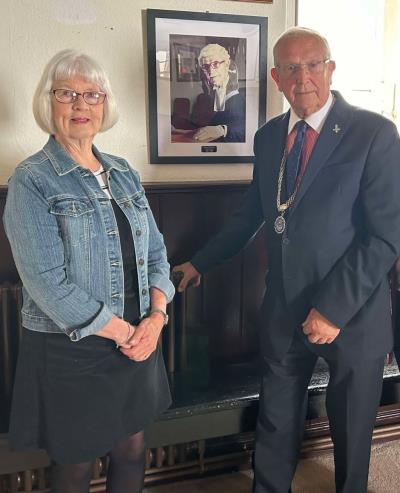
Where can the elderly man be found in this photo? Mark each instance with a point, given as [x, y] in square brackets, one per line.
[326, 184]
[220, 83]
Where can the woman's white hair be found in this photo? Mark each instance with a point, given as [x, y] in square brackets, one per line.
[66, 65]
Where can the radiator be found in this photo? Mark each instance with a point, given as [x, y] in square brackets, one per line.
[10, 333]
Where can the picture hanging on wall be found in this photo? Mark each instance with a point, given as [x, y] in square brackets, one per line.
[206, 85]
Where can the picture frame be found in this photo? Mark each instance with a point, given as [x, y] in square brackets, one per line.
[206, 86]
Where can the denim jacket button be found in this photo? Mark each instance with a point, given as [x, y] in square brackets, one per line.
[144, 291]
[141, 261]
[138, 232]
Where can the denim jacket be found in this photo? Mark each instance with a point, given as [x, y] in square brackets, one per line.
[64, 238]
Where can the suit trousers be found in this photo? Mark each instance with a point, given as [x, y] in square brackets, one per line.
[352, 398]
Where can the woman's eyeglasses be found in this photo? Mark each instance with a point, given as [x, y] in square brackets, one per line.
[69, 96]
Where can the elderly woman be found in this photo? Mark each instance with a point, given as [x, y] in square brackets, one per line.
[93, 264]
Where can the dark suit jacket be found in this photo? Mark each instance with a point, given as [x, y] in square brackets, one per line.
[342, 235]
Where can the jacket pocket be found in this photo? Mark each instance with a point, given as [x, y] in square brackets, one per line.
[139, 200]
[75, 219]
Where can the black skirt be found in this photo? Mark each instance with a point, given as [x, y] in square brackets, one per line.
[78, 399]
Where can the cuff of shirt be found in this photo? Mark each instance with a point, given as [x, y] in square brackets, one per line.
[163, 284]
[101, 319]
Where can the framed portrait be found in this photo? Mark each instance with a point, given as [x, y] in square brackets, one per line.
[206, 86]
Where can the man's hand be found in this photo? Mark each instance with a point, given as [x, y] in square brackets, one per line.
[145, 339]
[190, 276]
[209, 133]
[318, 329]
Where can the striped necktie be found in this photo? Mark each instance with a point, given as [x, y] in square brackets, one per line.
[294, 157]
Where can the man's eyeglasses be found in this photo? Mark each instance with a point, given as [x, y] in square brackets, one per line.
[207, 66]
[290, 69]
[69, 96]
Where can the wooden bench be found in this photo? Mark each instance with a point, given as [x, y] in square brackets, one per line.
[225, 402]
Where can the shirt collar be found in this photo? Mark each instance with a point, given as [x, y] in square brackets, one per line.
[316, 120]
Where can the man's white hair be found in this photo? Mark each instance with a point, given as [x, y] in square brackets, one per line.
[300, 32]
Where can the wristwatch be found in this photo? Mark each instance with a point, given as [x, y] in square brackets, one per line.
[161, 312]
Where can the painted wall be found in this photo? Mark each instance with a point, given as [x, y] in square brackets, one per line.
[113, 31]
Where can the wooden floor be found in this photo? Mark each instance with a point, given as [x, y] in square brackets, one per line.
[236, 482]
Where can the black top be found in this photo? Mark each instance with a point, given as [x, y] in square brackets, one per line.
[131, 288]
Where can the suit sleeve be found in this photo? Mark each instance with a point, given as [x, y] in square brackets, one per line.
[240, 228]
[373, 252]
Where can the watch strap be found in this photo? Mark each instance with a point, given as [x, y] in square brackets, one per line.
[161, 312]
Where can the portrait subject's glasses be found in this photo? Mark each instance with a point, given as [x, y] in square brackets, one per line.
[207, 66]
[290, 69]
[69, 96]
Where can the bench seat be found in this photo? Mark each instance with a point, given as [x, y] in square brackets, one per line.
[225, 402]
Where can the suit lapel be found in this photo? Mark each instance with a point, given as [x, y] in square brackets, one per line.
[335, 127]
[273, 152]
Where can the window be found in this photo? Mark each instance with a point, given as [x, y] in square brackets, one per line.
[365, 43]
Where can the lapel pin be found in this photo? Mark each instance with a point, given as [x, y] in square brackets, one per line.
[336, 128]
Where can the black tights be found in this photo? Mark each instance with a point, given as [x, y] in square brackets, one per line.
[71, 478]
[125, 471]
[126, 468]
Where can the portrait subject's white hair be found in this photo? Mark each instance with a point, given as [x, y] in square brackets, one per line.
[65, 65]
[215, 51]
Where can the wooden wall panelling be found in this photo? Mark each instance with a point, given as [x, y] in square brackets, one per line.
[188, 216]
[10, 334]
[181, 223]
[8, 272]
[222, 302]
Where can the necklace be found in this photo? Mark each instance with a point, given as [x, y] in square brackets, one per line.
[280, 223]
